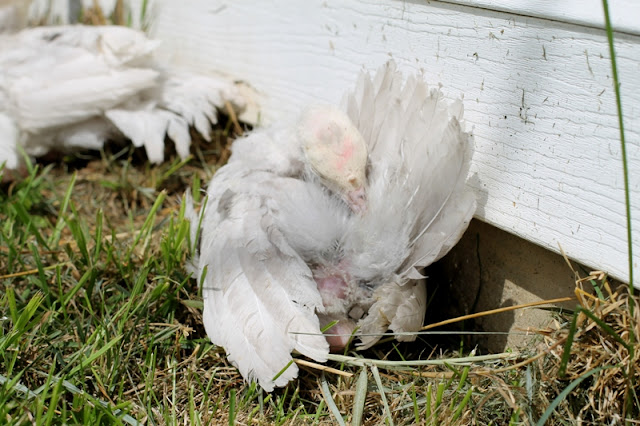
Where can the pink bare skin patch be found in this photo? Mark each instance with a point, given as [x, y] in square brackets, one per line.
[345, 146]
[333, 287]
[345, 154]
[332, 282]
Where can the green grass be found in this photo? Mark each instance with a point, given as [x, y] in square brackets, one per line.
[623, 144]
[97, 312]
[101, 324]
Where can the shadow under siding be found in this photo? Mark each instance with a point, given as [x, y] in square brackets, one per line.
[491, 268]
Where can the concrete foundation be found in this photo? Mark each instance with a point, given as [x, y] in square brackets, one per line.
[489, 269]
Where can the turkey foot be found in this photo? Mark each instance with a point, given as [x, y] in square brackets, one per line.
[333, 289]
[340, 333]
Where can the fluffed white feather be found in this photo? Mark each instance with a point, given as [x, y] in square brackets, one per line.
[74, 87]
[418, 200]
[399, 308]
[271, 230]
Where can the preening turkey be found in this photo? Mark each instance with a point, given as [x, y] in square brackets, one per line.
[330, 218]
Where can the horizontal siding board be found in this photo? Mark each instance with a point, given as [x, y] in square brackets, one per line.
[538, 96]
[624, 14]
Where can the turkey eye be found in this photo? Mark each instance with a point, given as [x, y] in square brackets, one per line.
[353, 181]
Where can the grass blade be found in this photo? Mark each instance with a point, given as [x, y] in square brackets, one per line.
[376, 376]
[414, 400]
[623, 145]
[232, 407]
[328, 399]
[463, 404]
[428, 404]
[360, 397]
[95, 355]
[55, 237]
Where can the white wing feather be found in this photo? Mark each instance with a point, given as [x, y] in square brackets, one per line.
[419, 204]
[258, 292]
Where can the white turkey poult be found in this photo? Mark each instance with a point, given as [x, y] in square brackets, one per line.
[330, 219]
[73, 87]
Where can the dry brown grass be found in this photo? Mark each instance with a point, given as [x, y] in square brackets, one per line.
[605, 341]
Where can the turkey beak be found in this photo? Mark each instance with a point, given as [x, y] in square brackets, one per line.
[357, 200]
